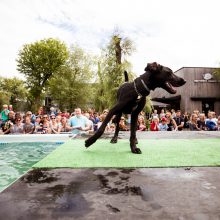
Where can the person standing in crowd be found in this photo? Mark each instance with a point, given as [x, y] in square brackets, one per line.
[40, 111]
[173, 113]
[179, 121]
[32, 116]
[4, 114]
[193, 126]
[10, 108]
[162, 114]
[79, 123]
[163, 125]
[154, 114]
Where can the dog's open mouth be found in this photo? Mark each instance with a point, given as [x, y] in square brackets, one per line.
[169, 88]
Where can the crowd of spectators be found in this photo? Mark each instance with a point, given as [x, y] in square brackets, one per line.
[80, 122]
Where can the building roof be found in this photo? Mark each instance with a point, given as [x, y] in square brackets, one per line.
[196, 67]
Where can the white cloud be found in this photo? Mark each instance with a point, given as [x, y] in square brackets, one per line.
[173, 33]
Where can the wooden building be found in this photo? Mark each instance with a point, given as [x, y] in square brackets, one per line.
[201, 91]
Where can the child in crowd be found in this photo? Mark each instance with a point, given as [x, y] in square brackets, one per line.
[154, 126]
[163, 125]
[141, 123]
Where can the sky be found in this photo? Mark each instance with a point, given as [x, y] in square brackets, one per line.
[174, 33]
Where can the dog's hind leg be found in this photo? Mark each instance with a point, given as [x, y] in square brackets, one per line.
[116, 121]
[134, 117]
[117, 108]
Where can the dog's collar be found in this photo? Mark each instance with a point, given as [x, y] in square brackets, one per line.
[135, 88]
[145, 86]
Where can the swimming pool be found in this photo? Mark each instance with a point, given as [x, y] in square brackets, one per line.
[17, 158]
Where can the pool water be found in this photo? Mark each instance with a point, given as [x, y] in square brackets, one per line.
[18, 158]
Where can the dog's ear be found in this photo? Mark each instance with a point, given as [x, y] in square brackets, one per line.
[152, 67]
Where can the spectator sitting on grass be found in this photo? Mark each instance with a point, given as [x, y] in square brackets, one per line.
[163, 125]
[79, 123]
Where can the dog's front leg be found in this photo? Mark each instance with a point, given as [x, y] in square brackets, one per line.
[134, 117]
[133, 139]
[117, 108]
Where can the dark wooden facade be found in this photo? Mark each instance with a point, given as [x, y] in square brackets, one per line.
[197, 94]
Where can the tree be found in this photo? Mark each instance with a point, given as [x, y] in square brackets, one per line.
[13, 92]
[216, 73]
[71, 86]
[111, 66]
[38, 62]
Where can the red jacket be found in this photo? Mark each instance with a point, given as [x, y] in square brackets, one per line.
[154, 127]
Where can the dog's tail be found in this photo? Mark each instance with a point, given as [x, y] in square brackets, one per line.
[126, 76]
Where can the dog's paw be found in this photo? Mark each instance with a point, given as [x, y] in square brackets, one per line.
[87, 143]
[136, 150]
[114, 140]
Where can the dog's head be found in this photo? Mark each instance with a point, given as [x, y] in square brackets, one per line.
[163, 77]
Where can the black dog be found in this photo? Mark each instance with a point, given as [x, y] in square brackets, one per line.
[131, 99]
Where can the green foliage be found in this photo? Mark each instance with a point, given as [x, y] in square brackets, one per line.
[148, 105]
[216, 74]
[111, 66]
[13, 91]
[71, 86]
[38, 62]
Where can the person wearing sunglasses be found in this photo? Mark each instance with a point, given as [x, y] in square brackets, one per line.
[54, 126]
[18, 127]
